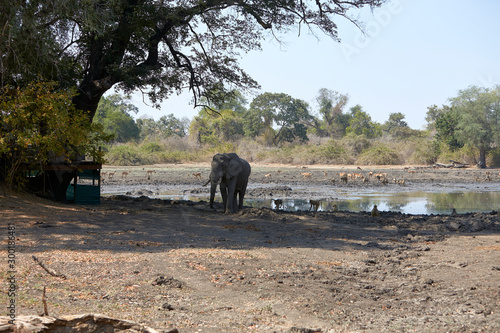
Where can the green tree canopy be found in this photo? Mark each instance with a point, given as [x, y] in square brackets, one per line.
[159, 47]
[163, 128]
[478, 112]
[38, 124]
[395, 121]
[113, 113]
[331, 108]
[361, 123]
[289, 114]
[212, 128]
[445, 123]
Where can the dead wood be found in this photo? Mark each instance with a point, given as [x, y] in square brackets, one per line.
[47, 269]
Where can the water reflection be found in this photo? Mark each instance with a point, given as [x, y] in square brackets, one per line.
[409, 202]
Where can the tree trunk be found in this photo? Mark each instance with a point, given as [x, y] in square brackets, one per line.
[58, 182]
[482, 158]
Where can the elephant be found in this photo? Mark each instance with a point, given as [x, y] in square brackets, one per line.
[232, 172]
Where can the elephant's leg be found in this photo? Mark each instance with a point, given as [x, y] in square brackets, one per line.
[231, 191]
[241, 196]
[223, 193]
[235, 202]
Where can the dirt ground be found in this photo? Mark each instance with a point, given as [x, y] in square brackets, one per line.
[179, 265]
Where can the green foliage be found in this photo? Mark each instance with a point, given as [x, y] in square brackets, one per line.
[361, 124]
[124, 155]
[477, 111]
[39, 124]
[152, 147]
[379, 155]
[426, 152]
[113, 113]
[151, 153]
[493, 158]
[331, 107]
[398, 128]
[355, 144]
[212, 128]
[289, 114]
[335, 153]
[159, 47]
[167, 126]
[446, 126]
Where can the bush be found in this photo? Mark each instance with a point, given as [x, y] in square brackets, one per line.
[124, 155]
[426, 152]
[151, 147]
[466, 154]
[379, 155]
[332, 152]
[493, 158]
[356, 143]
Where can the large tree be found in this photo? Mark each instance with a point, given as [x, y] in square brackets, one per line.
[290, 115]
[331, 107]
[159, 47]
[478, 119]
[114, 114]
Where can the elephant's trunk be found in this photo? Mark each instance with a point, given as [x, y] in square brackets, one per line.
[212, 193]
[214, 180]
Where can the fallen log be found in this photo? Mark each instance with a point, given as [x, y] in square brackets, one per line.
[451, 165]
[442, 165]
[91, 323]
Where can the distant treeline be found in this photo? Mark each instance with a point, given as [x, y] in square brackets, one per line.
[276, 127]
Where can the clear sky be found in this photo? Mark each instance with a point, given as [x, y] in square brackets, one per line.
[416, 53]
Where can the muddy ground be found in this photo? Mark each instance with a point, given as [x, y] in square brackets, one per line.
[178, 265]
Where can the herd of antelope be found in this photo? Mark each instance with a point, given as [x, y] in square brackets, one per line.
[382, 177]
[110, 174]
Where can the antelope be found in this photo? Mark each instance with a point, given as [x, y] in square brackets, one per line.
[197, 175]
[110, 175]
[149, 173]
[278, 203]
[315, 204]
[343, 177]
[124, 174]
[306, 175]
[268, 175]
[358, 175]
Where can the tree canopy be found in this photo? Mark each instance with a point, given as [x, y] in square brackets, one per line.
[158, 47]
[38, 123]
[331, 108]
[113, 113]
[478, 123]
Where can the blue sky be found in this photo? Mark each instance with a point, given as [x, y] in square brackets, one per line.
[416, 53]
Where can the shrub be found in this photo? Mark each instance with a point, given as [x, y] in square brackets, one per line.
[355, 143]
[124, 155]
[493, 158]
[426, 152]
[379, 155]
[151, 147]
[466, 154]
[333, 152]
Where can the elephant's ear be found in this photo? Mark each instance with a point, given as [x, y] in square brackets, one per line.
[235, 167]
